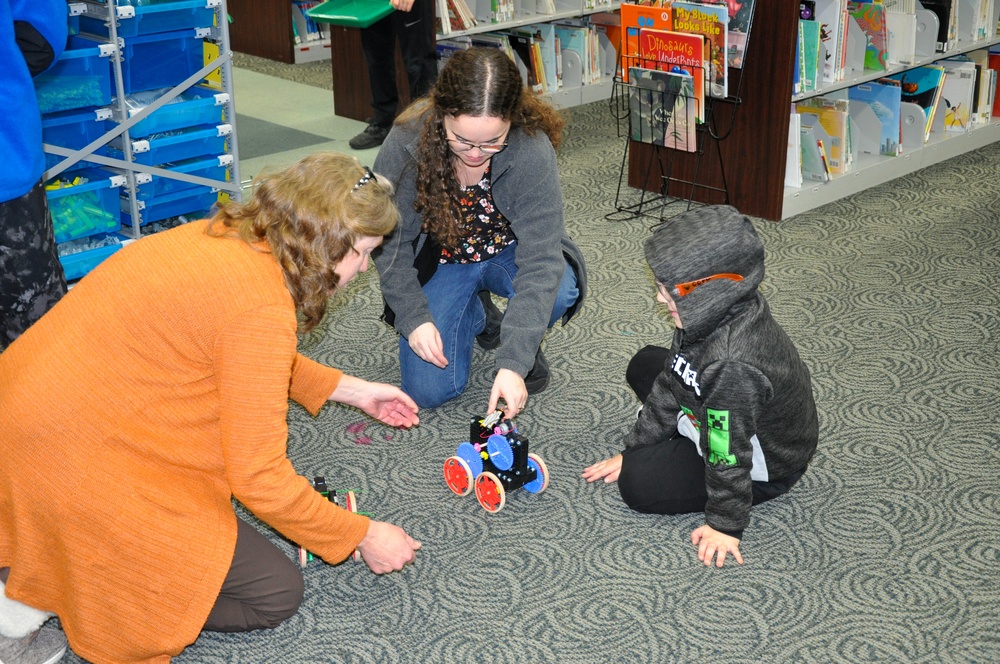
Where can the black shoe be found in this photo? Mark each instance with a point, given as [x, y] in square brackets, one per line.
[372, 137]
[538, 378]
[489, 338]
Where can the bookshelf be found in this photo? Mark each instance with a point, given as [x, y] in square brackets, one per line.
[264, 29]
[754, 155]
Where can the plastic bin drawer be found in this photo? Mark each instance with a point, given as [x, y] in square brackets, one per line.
[139, 18]
[74, 130]
[191, 108]
[190, 201]
[80, 262]
[213, 168]
[175, 146]
[87, 208]
[81, 77]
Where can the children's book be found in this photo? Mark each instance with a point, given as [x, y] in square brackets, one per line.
[958, 91]
[871, 17]
[829, 13]
[661, 106]
[922, 86]
[793, 156]
[635, 17]
[810, 52]
[679, 52]
[833, 116]
[884, 98]
[946, 11]
[799, 72]
[813, 163]
[711, 21]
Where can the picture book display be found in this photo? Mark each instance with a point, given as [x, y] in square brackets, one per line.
[958, 91]
[661, 108]
[832, 115]
[678, 52]
[871, 17]
[712, 21]
[922, 86]
[634, 18]
[884, 98]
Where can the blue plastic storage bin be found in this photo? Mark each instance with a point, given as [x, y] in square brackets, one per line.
[87, 208]
[74, 130]
[175, 146]
[195, 202]
[212, 168]
[81, 77]
[191, 108]
[78, 264]
[164, 16]
[161, 60]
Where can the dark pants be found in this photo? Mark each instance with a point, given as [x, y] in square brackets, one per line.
[668, 476]
[263, 588]
[415, 31]
[31, 276]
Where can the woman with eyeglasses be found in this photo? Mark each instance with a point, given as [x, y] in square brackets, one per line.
[157, 391]
[478, 189]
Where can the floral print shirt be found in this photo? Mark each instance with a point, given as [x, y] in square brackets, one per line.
[486, 231]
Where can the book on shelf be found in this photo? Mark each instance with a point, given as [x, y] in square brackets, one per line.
[958, 92]
[947, 13]
[573, 41]
[524, 47]
[810, 48]
[661, 108]
[884, 98]
[994, 60]
[982, 101]
[547, 46]
[711, 21]
[813, 161]
[678, 52]
[633, 18]
[460, 17]
[834, 118]
[799, 72]
[870, 16]
[922, 86]
[831, 15]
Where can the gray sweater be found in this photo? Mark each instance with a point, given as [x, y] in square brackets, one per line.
[734, 382]
[525, 188]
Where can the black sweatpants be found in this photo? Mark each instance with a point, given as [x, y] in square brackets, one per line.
[415, 31]
[31, 277]
[668, 476]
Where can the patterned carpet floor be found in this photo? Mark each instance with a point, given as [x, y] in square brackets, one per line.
[887, 550]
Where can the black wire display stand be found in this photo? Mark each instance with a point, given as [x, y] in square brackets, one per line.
[659, 106]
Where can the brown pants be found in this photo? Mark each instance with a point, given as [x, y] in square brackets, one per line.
[263, 588]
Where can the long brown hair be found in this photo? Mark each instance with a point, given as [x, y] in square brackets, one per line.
[478, 82]
[310, 215]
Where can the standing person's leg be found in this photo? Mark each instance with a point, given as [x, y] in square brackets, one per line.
[378, 42]
[417, 44]
[263, 587]
[31, 277]
[458, 315]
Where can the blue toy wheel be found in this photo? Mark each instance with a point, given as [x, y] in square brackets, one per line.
[541, 480]
[467, 453]
[500, 451]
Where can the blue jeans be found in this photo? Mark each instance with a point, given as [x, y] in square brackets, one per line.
[452, 294]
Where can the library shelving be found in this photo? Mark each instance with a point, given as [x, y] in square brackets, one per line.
[268, 30]
[265, 30]
[138, 123]
[754, 155]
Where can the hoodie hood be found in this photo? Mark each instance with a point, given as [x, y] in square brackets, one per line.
[710, 259]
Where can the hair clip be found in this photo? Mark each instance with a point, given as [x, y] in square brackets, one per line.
[365, 179]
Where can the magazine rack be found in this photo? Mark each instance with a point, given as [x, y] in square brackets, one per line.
[655, 101]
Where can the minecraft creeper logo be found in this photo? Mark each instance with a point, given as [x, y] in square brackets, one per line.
[718, 438]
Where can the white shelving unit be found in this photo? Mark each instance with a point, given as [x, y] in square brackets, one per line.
[873, 170]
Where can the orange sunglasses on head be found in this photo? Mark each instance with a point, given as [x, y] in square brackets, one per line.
[688, 286]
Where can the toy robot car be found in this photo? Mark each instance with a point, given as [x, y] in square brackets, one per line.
[345, 499]
[494, 461]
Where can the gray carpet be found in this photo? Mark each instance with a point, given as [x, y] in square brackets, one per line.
[887, 550]
[259, 138]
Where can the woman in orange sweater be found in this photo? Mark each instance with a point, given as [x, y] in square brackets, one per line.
[155, 392]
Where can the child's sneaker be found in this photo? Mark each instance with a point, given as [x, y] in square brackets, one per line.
[43, 646]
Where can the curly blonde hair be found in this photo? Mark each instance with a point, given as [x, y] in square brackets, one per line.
[310, 215]
[477, 82]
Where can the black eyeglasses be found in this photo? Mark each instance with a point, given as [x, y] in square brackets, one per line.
[365, 179]
[458, 145]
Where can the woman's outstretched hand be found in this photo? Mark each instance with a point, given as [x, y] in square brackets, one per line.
[386, 403]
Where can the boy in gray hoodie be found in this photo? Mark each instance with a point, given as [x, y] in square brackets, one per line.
[728, 418]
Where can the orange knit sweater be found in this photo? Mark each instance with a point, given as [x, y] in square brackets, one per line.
[131, 414]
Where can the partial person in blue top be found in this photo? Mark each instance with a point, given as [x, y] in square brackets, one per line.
[32, 36]
[477, 186]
